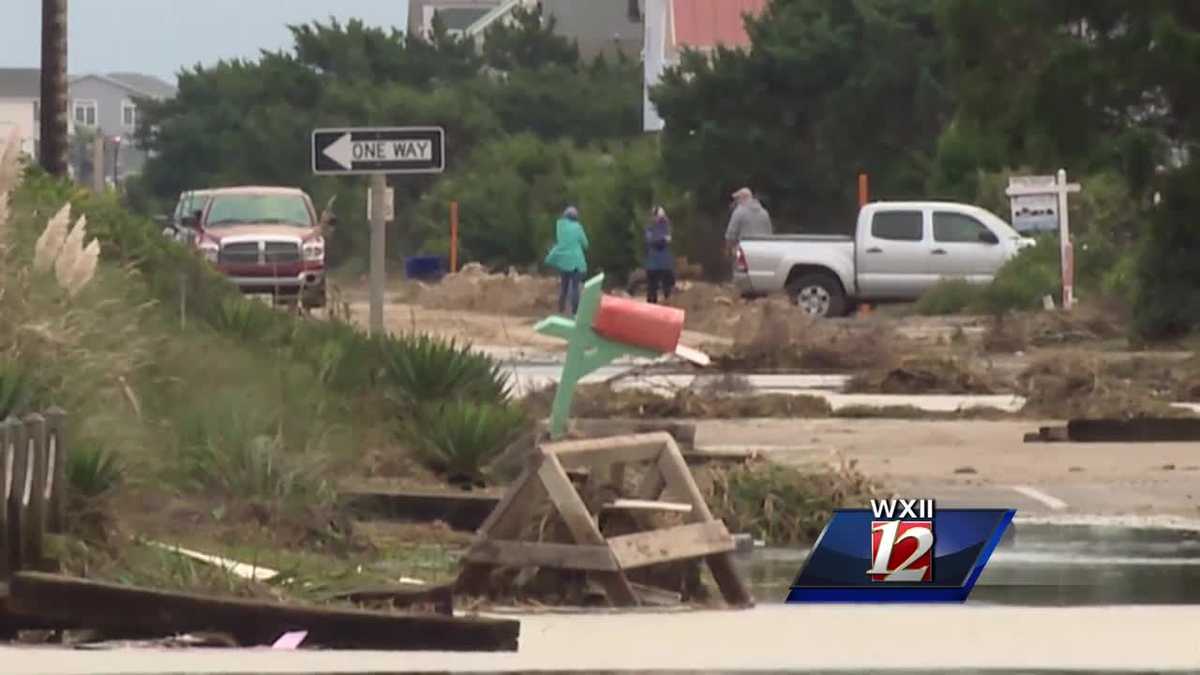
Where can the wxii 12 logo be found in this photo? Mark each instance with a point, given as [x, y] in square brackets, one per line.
[900, 550]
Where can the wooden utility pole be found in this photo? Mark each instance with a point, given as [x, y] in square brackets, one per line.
[53, 150]
[98, 172]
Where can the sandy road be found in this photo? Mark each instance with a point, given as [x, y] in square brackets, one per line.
[793, 637]
[922, 458]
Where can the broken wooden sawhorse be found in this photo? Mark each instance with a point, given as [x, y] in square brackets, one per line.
[606, 560]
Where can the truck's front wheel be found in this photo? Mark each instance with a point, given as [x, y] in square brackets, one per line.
[818, 295]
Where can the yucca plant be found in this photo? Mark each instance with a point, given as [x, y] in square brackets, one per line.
[16, 390]
[457, 439]
[231, 445]
[256, 468]
[92, 471]
[422, 369]
[243, 319]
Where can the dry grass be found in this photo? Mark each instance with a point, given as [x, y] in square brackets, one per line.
[1086, 323]
[785, 506]
[927, 374]
[782, 338]
[601, 401]
[1073, 385]
[475, 289]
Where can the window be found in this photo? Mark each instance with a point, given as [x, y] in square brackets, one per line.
[284, 209]
[957, 227]
[898, 225]
[129, 115]
[85, 113]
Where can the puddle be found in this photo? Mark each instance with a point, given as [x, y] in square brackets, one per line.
[1048, 565]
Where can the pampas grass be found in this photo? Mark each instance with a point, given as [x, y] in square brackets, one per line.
[74, 265]
[49, 245]
[10, 170]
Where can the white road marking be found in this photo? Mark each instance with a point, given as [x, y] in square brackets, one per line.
[1035, 494]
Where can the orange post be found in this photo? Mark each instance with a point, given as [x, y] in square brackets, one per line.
[863, 190]
[453, 237]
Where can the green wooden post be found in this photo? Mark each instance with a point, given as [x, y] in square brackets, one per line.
[586, 351]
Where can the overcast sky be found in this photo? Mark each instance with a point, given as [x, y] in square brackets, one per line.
[159, 37]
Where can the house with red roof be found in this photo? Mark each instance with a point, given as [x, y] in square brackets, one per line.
[675, 26]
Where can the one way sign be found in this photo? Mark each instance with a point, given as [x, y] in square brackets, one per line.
[379, 150]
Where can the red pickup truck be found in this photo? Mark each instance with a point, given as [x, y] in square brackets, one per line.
[267, 240]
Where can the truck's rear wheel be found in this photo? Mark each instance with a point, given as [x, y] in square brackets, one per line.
[818, 295]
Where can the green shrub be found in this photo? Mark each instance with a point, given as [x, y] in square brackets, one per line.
[1168, 266]
[458, 439]
[232, 446]
[244, 318]
[16, 390]
[952, 296]
[782, 505]
[92, 471]
[422, 368]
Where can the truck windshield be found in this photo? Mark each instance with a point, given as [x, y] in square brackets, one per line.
[249, 208]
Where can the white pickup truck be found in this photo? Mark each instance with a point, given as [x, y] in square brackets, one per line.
[898, 251]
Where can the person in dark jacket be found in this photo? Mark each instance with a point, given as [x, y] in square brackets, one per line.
[660, 264]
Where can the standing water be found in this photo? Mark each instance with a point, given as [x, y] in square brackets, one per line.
[1047, 565]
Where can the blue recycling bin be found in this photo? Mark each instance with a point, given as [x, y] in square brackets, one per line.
[425, 267]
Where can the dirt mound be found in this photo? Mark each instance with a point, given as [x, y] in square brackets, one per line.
[778, 337]
[473, 288]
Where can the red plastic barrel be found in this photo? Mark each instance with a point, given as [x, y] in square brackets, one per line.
[639, 324]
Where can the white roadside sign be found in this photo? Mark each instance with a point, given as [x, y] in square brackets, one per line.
[389, 198]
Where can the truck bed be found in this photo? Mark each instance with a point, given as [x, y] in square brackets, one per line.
[801, 237]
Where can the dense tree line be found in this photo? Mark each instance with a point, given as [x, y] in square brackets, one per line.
[932, 98]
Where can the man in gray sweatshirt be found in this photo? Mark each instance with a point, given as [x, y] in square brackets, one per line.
[749, 219]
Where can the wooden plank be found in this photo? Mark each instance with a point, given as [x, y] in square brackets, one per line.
[16, 506]
[678, 477]
[92, 604]
[540, 554]
[582, 526]
[1139, 430]
[56, 473]
[631, 448]
[9, 433]
[33, 525]
[570, 506]
[647, 505]
[525, 489]
[506, 521]
[657, 597]
[674, 543]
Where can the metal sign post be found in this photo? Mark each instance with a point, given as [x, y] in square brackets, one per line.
[377, 152]
[1034, 202]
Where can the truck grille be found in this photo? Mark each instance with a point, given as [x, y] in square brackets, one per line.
[282, 252]
[249, 253]
[241, 253]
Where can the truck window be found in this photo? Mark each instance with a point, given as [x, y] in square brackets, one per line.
[956, 227]
[285, 209]
[897, 225]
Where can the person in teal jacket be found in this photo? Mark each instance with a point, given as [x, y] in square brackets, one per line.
[568, 257]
